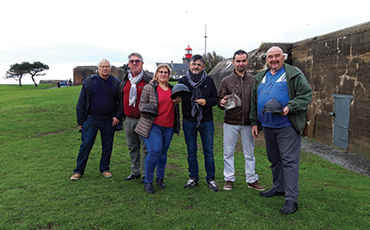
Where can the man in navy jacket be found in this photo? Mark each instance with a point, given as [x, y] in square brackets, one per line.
[97, 109]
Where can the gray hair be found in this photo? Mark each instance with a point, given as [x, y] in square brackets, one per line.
[137, 55]
[102, 60]
[197, 57]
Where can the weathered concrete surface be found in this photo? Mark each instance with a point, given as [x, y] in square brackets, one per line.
[338, 63]
[334, 63]
[82, 72]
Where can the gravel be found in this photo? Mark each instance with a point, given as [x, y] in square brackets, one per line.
[351, 161]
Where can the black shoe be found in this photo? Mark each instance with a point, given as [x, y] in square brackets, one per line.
[142, 180]
[272, 192]
[148, 187]
[132, 177]
[191, 183]
[289, 207]
[160, 183]
[212, 185]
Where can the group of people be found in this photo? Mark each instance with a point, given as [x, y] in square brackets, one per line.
[151, 115]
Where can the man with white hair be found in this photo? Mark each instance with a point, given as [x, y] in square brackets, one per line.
[97, 109]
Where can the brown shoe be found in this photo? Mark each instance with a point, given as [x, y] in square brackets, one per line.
[256, 186]
[107, 174]
[228, 185]
[75, 176]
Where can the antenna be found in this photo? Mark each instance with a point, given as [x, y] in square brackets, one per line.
[205, 40]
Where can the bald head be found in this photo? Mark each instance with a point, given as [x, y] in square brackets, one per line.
[274, 48]
[275, 59]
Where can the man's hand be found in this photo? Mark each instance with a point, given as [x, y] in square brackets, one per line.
[285, 111]
[223, 101]
[201, 102]
[177, 100]
[255, 131]
[115, 121]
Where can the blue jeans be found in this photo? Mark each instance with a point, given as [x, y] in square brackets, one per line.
[157, 144]
[89, 130]
[206, 131]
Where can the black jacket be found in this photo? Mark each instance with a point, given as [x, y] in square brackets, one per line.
[209, 93]
[84, 100]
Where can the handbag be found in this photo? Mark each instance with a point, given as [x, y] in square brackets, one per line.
[119, 126]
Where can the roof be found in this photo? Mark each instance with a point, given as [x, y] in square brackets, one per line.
[176, 68]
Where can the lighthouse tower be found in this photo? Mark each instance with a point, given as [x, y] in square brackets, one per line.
[188, 55]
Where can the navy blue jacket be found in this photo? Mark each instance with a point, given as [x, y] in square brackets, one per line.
[84, 100]
[209, 93]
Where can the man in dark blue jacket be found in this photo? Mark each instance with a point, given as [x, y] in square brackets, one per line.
[198, 117]
[97, 109]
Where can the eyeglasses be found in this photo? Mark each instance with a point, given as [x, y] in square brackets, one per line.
[196, 64]
[163, 72]
[134, 61]
[105, 66]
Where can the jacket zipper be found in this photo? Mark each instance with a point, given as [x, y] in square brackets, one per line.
[242, 85]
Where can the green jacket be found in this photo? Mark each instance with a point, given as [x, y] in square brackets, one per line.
[300, 96]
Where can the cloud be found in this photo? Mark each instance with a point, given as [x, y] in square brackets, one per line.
[64, 34]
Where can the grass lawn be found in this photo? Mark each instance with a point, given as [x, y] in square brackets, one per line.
[39, 143]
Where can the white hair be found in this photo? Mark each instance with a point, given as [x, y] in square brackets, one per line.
[102, 60]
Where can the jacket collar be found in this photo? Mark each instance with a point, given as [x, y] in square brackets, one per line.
[235, 74]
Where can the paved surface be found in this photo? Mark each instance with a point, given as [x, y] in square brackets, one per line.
[353, 162]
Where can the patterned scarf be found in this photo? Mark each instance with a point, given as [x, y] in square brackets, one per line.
[133, 91]
[196, 81]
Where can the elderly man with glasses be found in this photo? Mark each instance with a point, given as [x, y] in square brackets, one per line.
[131, 88]
[97, 109]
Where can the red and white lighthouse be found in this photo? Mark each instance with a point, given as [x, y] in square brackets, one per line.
[188, 55]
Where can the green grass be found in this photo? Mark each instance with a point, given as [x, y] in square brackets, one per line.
[39, 142]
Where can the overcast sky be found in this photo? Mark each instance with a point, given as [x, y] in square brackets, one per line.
[69, 33]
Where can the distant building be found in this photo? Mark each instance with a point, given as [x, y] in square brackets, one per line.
[80, 73]
[178, 70]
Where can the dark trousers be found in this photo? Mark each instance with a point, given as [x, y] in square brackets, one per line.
[89, 130]
[283, 147]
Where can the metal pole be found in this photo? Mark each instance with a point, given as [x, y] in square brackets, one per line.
[205, 40]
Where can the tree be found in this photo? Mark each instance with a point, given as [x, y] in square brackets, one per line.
[211, 60]
[125, 67]
[36, 69]
[17, 71]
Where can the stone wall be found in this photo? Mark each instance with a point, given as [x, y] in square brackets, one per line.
[334, 63]
[82, 72]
